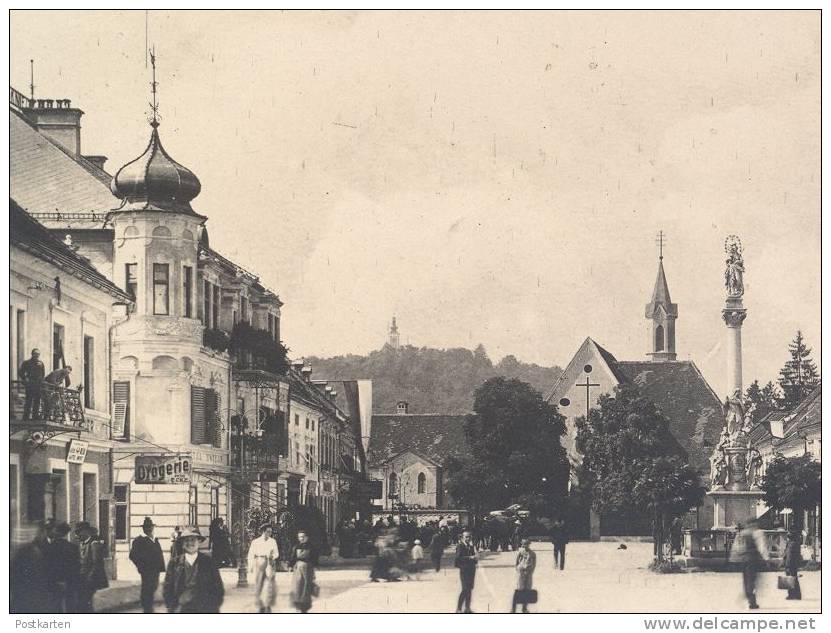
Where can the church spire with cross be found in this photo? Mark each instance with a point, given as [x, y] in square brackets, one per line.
[394, 337]
[661, 312]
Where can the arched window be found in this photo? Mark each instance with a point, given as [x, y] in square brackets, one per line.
[422, 483]
[393, 485]
[659, 338]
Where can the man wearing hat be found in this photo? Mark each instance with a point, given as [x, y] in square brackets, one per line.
[93, 576]
[192, 583]
[66, 559]
[146, 554]
[262, 560]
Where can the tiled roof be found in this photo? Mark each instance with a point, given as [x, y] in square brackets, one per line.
[28, 234]
[44, 177]
[807, 414]
[433, 436]
[682, 394]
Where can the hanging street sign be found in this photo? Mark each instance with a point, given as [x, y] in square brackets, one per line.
[77, 453]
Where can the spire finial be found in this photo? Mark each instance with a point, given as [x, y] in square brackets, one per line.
[660, 240]
[154, 105]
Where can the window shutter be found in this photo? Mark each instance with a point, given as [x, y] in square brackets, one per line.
[121, 410]
[214, 433]
[198, 434]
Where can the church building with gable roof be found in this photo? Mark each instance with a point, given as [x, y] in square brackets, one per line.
[677, 387]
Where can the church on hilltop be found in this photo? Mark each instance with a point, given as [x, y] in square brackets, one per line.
[677, 387]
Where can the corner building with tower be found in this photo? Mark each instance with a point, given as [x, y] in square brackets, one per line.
[194, 393]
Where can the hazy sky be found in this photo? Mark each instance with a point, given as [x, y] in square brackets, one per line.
[486, 177]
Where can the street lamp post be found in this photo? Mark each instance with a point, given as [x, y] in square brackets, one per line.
[242, 569]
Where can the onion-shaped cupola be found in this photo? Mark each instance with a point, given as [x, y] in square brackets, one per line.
[155, 181]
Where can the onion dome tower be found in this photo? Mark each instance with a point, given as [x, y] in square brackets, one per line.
[155, 181]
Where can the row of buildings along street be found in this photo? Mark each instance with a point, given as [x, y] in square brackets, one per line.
[180, 402]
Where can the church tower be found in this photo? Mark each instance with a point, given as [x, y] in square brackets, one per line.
[662, 313]
[393, 340]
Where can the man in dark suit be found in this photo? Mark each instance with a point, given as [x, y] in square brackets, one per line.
[559, 539]
[32, 373]
[66, 562]
[192, 583]
[93, 575]
[146, 554]
[466, 562]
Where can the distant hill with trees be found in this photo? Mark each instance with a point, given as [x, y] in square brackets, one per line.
[431, 380]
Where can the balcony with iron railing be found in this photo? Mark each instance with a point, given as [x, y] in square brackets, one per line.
[58, 406]
[255, 451]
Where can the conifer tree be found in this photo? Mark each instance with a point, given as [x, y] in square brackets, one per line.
[799, 376]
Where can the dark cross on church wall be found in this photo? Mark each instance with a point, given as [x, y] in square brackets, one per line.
[588, 385]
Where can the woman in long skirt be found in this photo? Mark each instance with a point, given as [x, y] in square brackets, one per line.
[303, 561]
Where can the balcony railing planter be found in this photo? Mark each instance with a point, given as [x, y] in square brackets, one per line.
[58, 405]
[253, 348]
[216, 340]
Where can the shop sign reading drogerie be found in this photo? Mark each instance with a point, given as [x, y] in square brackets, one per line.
[155, 469]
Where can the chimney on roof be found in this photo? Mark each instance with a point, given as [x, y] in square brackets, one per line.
[98, 161]
[57, 120]
[402, 408]
[307, 373]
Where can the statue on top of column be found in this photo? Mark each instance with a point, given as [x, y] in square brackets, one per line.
[734, 271]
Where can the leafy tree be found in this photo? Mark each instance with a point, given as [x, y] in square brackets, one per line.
[799, 376]
[668, 487]
[631, 461]
[765, 398]
[795, 483]
[515, 450]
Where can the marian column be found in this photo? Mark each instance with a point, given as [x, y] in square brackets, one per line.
[734, 314]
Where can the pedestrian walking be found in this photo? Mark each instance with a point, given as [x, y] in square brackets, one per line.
[220, 542]
[93, 576]
[526, 562]
[676, 535]
[192, 583]
[175, 543]
[792, 560]
[146, 554]
[32, 585]
[262, 560]
[437, 545]
[303, 562]
[66, 563]
[32, 373]
[466, 563]
[416, 555]
[749, 550]
[559, 539]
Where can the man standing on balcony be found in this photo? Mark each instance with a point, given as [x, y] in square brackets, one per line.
[32, 373]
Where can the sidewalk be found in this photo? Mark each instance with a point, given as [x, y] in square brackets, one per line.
[123, 595]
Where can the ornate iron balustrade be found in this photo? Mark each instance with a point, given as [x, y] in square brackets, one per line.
[58, 405]
[252, 453]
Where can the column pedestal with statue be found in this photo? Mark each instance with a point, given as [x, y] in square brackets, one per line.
[735, 465]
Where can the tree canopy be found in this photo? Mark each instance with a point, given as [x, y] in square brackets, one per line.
[515, 450]
[766, 399]
[793, 482]
[631, 461]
